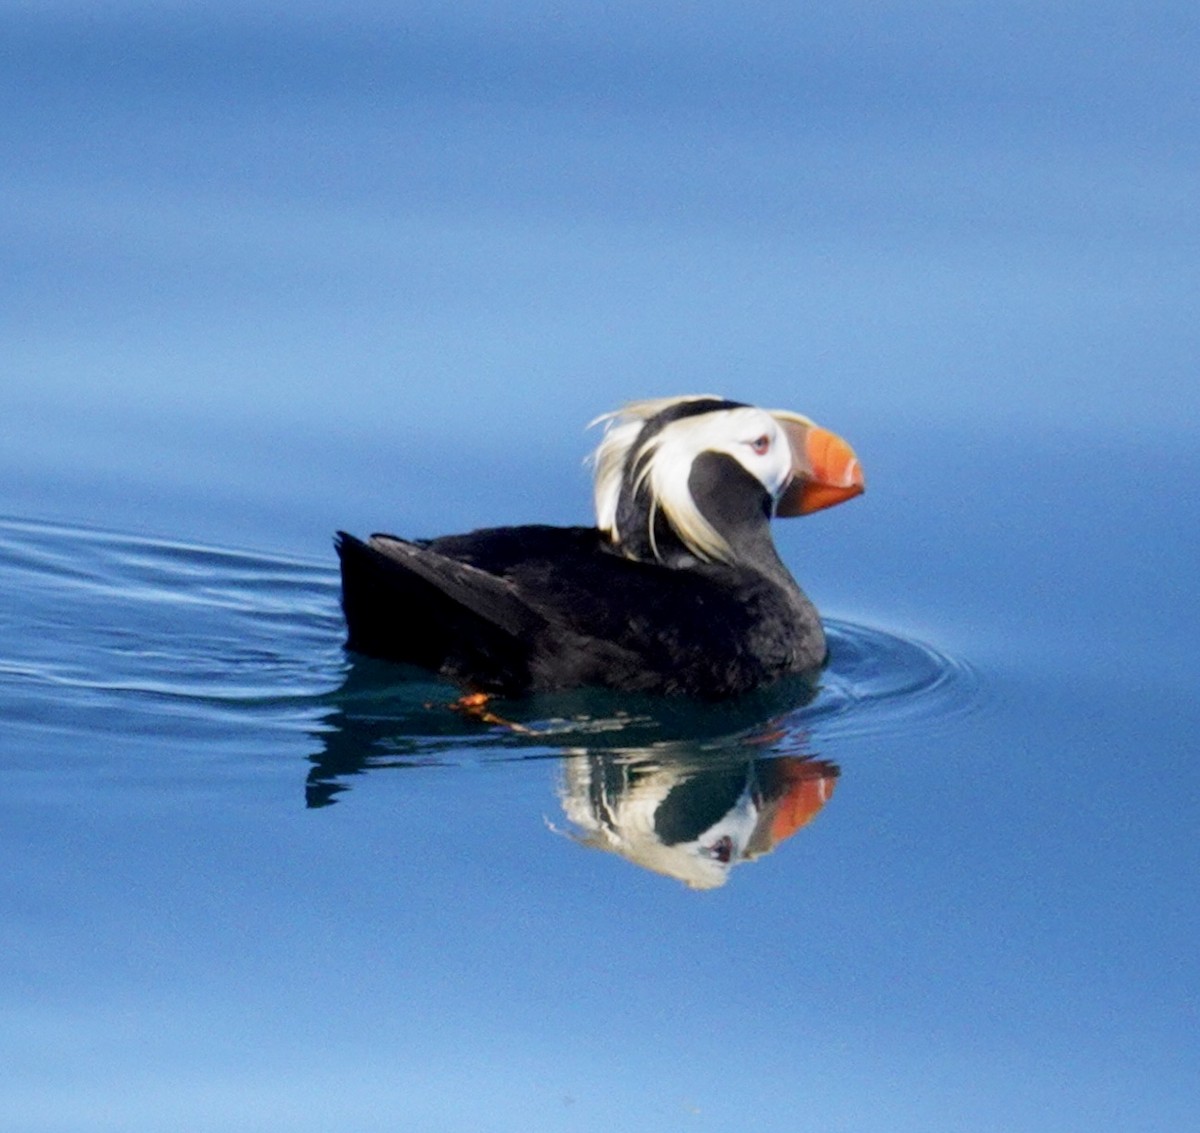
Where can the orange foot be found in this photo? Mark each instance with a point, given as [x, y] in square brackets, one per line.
[475, 705]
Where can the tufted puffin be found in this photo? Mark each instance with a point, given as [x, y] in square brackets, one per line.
[678, 589]
[693, 820]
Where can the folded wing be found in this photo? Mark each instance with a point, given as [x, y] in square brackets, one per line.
[407, 603]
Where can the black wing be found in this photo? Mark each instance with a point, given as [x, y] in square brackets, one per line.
[404, 602]
[709, 629]
[411, 602]
[536, 608]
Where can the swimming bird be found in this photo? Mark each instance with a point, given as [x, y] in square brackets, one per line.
[677, 589]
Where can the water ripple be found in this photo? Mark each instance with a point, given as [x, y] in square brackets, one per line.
[143, 635]
[880, 682]
[134, 634]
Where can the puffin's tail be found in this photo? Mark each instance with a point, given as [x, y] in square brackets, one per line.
[404, 602]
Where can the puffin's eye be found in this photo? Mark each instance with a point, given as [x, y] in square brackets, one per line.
[722, 849]
[761, 444]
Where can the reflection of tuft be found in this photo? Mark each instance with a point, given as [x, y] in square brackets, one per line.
[687, 820]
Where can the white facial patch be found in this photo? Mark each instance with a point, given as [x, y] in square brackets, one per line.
[663, 466]
[621, 431]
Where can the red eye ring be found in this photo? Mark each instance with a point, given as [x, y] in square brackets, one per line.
[760, 444]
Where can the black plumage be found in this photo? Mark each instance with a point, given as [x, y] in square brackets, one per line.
[644, 604]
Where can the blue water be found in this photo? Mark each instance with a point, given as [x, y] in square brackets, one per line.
[268, 274]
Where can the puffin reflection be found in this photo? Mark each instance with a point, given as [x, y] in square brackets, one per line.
[377, 721]
[689, 819]
[685, 789]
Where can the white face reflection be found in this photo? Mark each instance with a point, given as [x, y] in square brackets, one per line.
[725, 841]
[621, 816]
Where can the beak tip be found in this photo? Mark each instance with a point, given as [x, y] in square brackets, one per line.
[836, 471]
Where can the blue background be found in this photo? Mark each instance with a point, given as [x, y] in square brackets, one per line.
[268, 270]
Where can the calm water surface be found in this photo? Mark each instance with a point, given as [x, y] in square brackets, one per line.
[254, 873]
[267, 271]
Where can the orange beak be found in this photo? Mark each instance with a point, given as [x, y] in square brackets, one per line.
[810, 783]
[825, 469]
